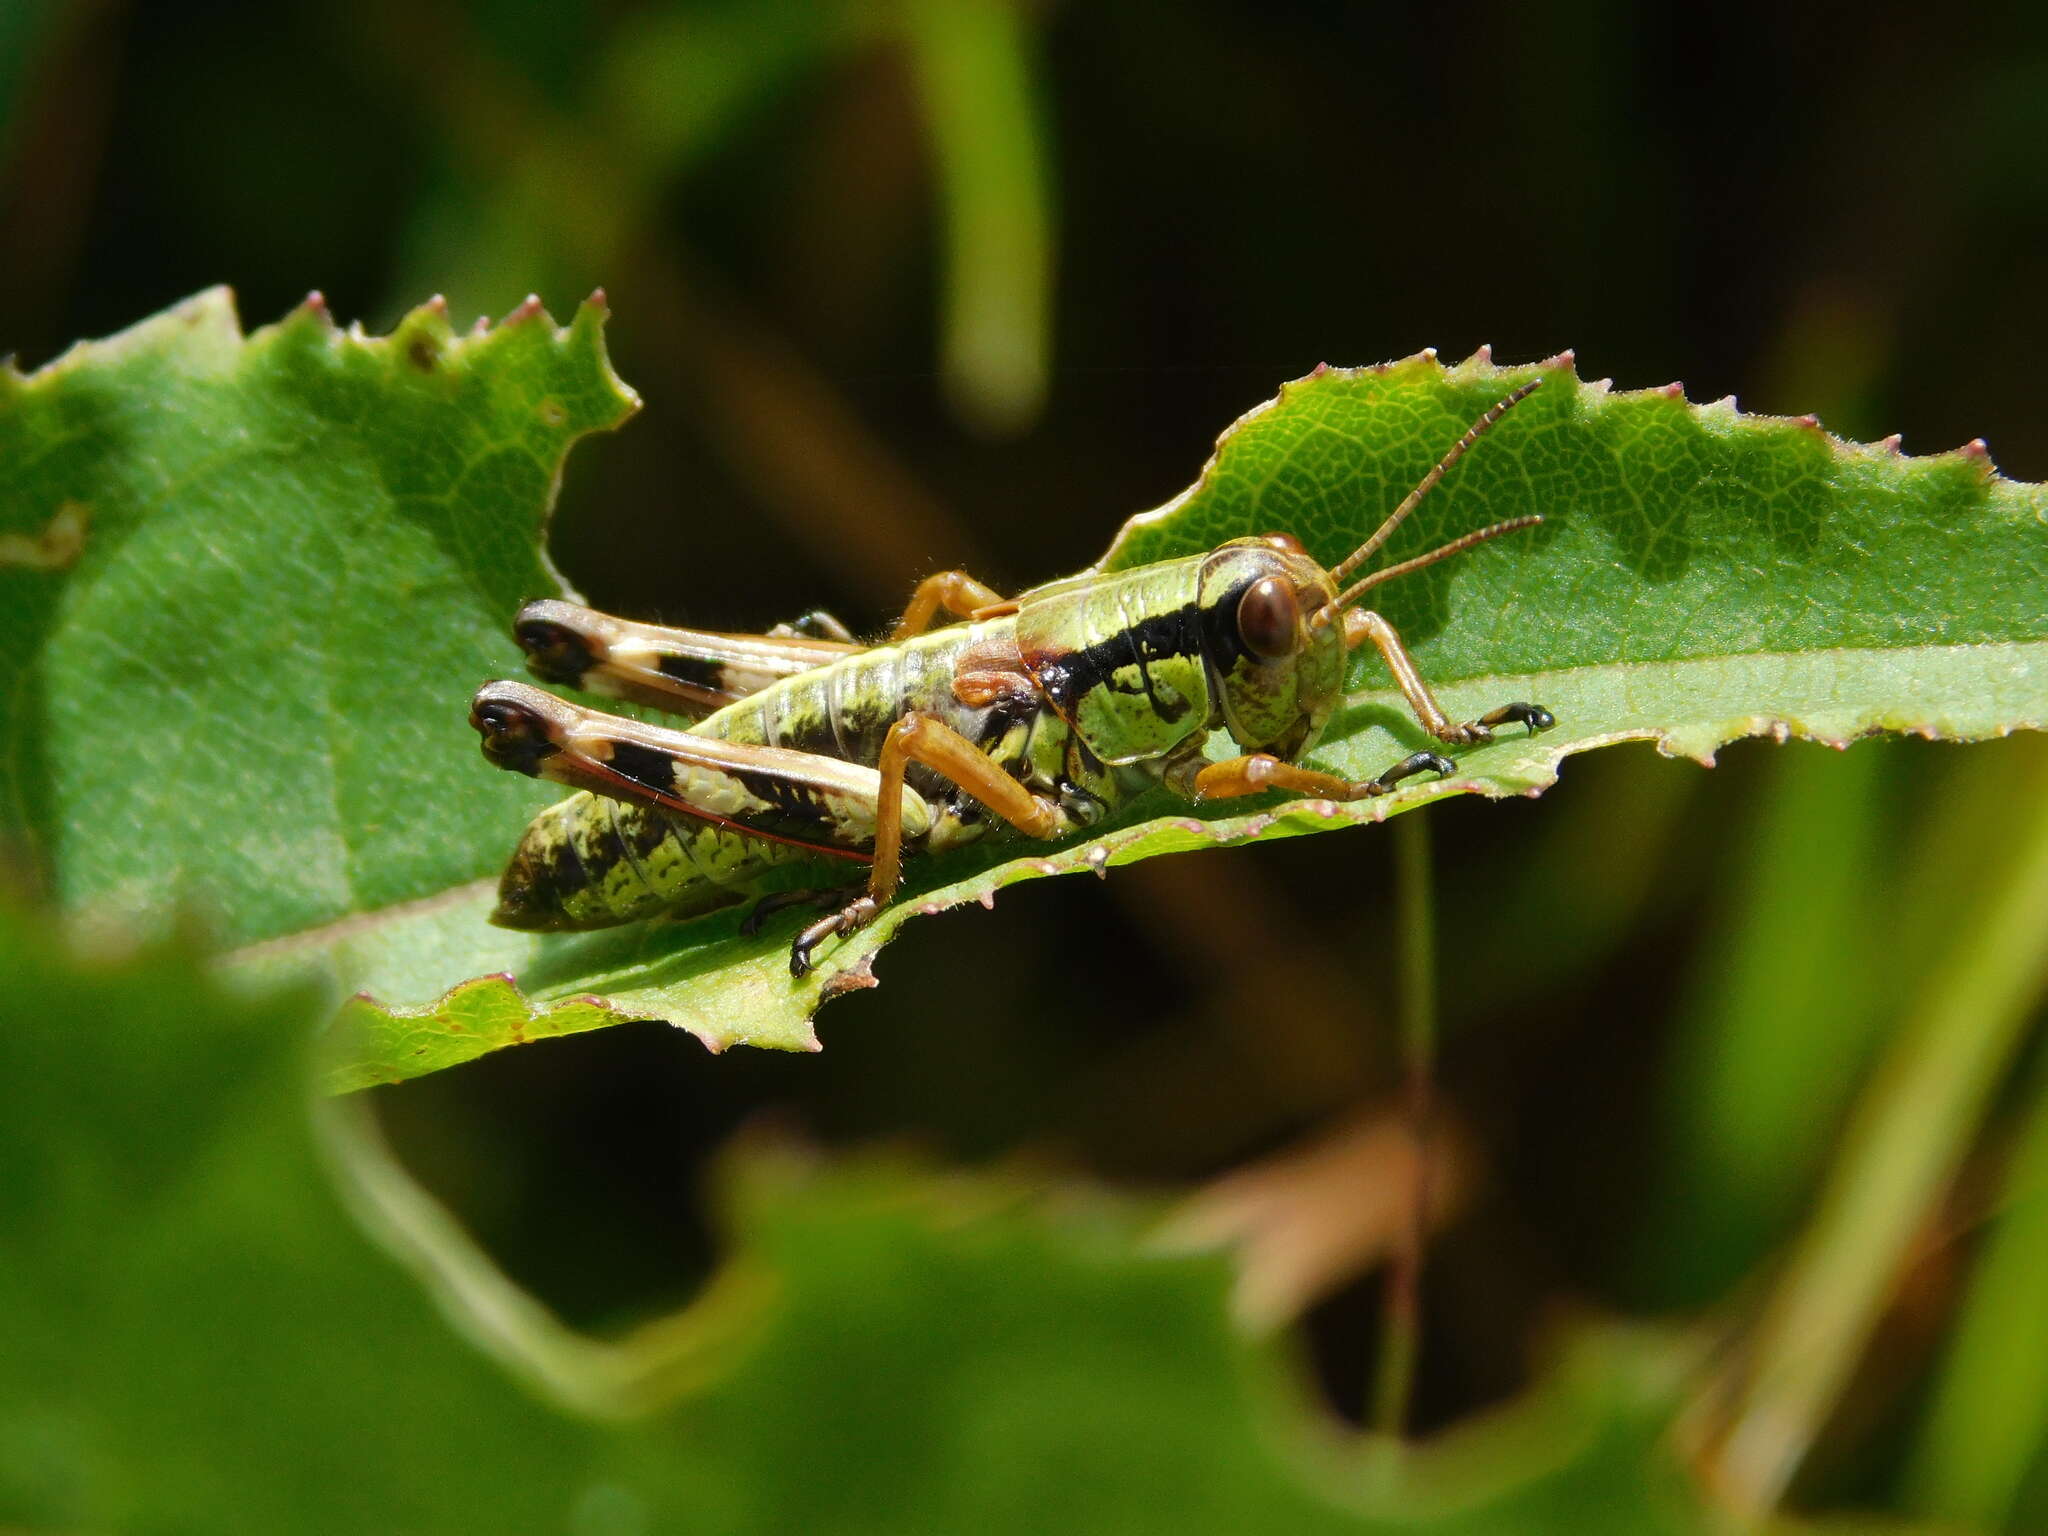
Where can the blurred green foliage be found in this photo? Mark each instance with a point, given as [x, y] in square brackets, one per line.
[846, 244]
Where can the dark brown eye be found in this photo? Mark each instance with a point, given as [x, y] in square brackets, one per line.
[1267, 620]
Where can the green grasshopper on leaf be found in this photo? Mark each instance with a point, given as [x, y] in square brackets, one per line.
[1036, 715]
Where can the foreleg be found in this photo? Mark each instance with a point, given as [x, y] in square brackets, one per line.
[1361, 624]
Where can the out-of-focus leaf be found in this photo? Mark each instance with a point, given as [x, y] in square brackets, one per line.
[26, 29]
[244, 583]
[974, 73]
[1703, 575]
[1752, 1103]
[1990, 1415]
[674, 81]
[210, 1341]
[1908, 1131]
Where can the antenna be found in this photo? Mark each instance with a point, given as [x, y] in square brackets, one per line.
[1457, 546]
[1372, 546]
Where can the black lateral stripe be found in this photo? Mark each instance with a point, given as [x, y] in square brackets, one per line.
[1219, 627]
[1178, 633]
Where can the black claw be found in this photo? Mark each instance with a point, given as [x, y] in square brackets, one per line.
[1408, 767]
[1534, 716]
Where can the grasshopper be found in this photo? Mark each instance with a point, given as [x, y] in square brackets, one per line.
[1031, 716]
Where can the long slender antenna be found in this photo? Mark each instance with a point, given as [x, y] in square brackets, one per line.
[1458, 546]
[1371, 546]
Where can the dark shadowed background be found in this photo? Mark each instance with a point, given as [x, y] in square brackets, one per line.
[930, 284]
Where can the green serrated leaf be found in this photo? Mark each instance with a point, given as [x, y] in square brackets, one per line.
[243, 585]
[247, 584]
[1701, 576]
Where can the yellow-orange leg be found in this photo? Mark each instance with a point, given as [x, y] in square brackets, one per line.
[1261, 771]
[954, 591]
[1362, 624]
[928, 740]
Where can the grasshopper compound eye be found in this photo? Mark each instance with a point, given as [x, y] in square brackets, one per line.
[1268, 620]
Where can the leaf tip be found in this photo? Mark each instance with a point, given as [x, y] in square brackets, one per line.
[527, 312]
[309, 316]
[422, 338]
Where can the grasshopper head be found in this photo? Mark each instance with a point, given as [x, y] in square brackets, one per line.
[1275, 670]
[1279, 628]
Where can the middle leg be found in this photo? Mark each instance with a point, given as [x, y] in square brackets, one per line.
[956, 592]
